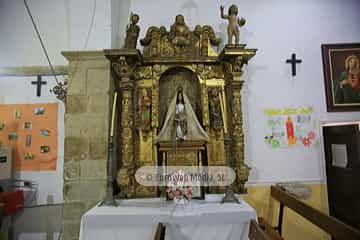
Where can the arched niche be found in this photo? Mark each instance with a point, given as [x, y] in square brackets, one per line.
[169, 83]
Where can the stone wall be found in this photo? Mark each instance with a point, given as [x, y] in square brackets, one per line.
[86, 136]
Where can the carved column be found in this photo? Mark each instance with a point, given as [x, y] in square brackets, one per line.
[233, 59]
[123, 63]
[237, 132]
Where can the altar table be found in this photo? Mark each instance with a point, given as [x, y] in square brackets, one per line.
[137, 219]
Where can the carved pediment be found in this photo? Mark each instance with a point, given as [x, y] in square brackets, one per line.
[179, 41]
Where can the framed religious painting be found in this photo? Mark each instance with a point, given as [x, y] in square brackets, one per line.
[342, 76]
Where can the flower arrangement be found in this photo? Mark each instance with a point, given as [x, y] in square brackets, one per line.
[179, 187]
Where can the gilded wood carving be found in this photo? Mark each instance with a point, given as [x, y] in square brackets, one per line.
[148, 81]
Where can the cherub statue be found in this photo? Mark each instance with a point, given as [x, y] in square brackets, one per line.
[132, 31]
[234, 21]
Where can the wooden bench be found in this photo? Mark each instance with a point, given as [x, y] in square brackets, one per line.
[329, 224]
[262, 231]
[269, 230]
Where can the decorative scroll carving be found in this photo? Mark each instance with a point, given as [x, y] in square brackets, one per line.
[155, 104]
[205, 105]
[209, 71]
[143, 72]
[179, 41]
[122, 69]
[60, 90]
[206, 35]
[158, 70]
[237, 64]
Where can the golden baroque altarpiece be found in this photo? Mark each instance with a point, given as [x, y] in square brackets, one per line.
[146, 82]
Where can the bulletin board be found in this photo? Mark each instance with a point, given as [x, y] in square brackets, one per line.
[32, 131]
[291, 127]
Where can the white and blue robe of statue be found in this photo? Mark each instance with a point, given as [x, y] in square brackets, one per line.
[181, 123]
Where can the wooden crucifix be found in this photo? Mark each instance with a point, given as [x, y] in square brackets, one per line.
[38, 84]
[293, 62]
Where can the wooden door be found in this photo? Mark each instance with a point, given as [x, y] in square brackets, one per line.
[342, 156]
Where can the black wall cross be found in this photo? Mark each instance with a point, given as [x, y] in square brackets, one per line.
[293, 62]
[38, 84]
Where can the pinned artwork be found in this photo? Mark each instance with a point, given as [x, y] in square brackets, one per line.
[44, 149]
[28, 156]
[28, 141]
[39, 111]
[2, 126]
[12, 136]
[44, 132]
[291, 127]
[27, 125]
[31, 131]
[17, 114]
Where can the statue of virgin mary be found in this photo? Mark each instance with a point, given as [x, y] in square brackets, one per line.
[181, 122]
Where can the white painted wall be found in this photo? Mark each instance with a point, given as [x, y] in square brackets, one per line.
[120, 12]
[63, 24]
[277, 28]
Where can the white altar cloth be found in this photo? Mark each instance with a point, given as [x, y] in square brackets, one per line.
[137, 219]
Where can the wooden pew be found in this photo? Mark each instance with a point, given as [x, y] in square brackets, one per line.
[160, 232]
[329, 224]
[269, 230]
[256, 232]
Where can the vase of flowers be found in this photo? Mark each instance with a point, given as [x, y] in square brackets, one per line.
[179, 188]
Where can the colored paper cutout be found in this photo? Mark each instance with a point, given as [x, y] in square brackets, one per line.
[291, 127]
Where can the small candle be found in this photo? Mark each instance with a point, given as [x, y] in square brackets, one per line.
[223, 112]
[113, 115]
[224, 101]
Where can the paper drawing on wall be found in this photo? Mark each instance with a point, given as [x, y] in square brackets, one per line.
[44, 149]
[291, 127]
[44, 132]
[27, 125]
[28, 141]
[2, 126]
[26, 134]
[39, 111]
[17, 114]
[12, 136]
[28, 156]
